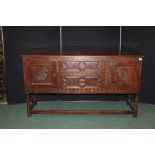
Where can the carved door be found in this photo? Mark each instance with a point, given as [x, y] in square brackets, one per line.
[84, 76]
[122, 74]
[41, 76]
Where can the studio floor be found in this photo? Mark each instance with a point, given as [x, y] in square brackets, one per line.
[14, 116]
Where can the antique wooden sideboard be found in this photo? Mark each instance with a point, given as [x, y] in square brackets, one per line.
[82, 74]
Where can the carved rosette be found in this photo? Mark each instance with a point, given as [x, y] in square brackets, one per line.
[42, 75]
[120, 74]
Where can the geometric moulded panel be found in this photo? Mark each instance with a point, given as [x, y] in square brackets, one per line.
[82, 74]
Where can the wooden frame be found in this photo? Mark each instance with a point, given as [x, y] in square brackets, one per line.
[132, 104]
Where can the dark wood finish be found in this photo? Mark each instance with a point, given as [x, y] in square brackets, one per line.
[82, 74]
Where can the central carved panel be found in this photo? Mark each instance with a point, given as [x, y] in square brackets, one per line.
[81, 74]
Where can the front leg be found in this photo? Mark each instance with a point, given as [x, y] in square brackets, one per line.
[135, 107]
[132, 101]
[28, 105]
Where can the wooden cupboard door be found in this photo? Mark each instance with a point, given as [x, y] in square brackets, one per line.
[40, 75]
[43, 74]
[83, 76]
[122, 74]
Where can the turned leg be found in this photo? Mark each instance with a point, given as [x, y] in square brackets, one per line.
[28, 105]
[135, 107]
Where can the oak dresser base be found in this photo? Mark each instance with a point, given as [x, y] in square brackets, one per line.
[82, 74]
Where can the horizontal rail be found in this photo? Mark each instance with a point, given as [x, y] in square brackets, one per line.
[81, 112]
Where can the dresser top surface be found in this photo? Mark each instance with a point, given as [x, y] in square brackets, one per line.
[79, 53]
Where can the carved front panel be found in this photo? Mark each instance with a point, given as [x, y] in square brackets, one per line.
[75, 75]
[43, 74]
[82, 74]
[121, 74]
